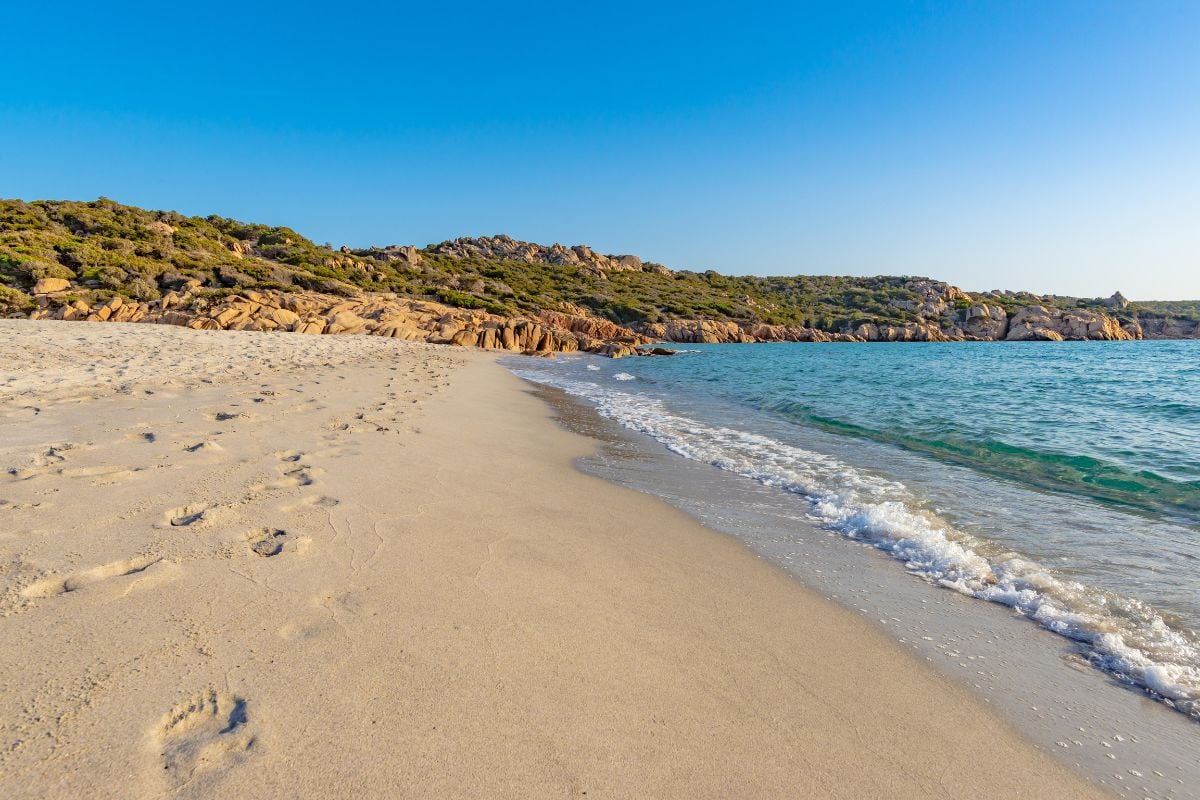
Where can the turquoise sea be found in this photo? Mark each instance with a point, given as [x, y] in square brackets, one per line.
[1059, 479]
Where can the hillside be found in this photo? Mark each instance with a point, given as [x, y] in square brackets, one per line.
[57, 253]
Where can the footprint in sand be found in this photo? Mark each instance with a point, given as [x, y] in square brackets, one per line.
[206, 446]
[303, 475]
[10, 505]
[298, 475]
[202, 737]
[43, 462]
[338, 604]
[299, 630]
[312, 501]
[267, 542]
[54, 454]
[149, 567]
[185, 516]
[103, 474]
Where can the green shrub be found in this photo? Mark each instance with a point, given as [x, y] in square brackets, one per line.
[13, 300]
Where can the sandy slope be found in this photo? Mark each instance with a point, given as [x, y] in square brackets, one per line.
[285, 566]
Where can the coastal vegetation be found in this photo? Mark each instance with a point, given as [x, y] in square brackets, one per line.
[95, 251]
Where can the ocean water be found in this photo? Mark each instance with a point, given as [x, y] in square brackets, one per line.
[1059, 480]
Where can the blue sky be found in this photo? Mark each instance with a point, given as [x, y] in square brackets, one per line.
[1053, 146]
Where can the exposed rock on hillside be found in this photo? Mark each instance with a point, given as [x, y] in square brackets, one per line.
[376, 315]
[405, 253]
[592, 328]
[1167, 328]
[50, 285]
[986, 322]
[981, 322]
[580, 255]
[1117, 301]
[697, 331]
[1041, 323]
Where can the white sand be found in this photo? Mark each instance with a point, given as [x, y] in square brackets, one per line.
[239, 564]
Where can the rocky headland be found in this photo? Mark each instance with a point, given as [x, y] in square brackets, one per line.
[941, 320]
[102, 261]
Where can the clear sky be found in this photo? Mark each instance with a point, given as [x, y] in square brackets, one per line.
[1042, 145]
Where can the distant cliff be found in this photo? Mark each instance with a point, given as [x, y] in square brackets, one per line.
[64, 259]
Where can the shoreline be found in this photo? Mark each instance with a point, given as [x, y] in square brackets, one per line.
[1041, 683]
[446, 606]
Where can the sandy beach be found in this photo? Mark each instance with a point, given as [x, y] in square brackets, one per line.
[240, 564]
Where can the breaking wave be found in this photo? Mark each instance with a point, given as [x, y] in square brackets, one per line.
[1122, 635]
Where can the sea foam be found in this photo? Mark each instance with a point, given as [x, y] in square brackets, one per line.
[1122, 635]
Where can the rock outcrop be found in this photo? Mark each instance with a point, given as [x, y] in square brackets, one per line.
[1168, 328]
[574, 329]
[697, 331]
[579, 255]
[979, 322]
[1039, 323]
[404, 253]
[985, 322]
[591, 327]
[943, 313]
[706, 331]
[1118, 302]
[51, 285]
[376, 315]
